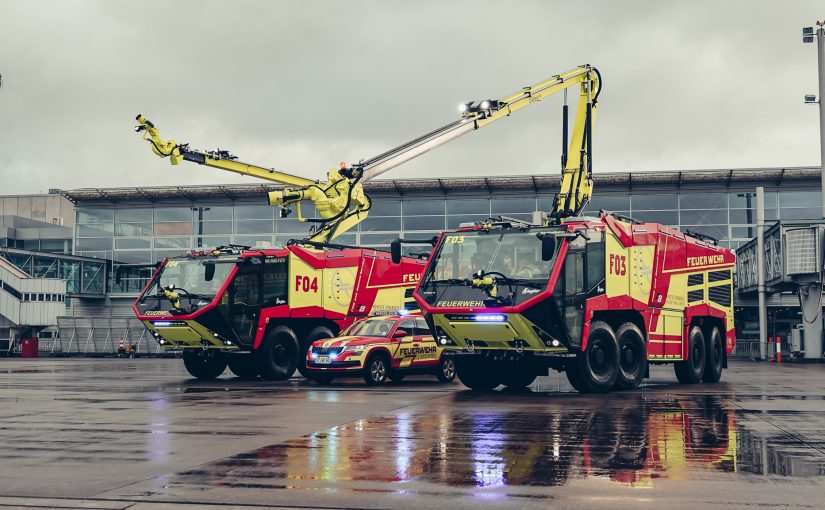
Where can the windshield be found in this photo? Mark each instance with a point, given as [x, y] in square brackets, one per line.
[515, 255]
[189, 277]
[370, 327]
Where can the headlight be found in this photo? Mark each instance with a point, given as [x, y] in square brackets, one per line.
[354, 348]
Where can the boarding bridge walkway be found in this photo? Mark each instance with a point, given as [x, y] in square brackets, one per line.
[27, 302]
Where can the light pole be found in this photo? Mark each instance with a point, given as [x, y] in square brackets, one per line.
[808, 35]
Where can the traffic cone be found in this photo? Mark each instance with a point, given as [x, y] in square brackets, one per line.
[778, 350]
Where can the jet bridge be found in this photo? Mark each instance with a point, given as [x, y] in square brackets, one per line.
[794, 262]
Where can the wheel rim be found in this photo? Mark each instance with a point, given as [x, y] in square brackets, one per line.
[280, 354]
[697, 354]
[599, 358]
[628, 357]
[448, 368]
[717, 354]
[378, 371]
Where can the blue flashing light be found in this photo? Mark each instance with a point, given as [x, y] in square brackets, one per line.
[162, 323]
[403, 312]
[490, 317]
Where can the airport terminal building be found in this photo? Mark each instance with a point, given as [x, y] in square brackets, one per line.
[114, 227]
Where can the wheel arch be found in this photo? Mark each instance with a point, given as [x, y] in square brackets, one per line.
[706, 324]
[301, 328]
[615, 318]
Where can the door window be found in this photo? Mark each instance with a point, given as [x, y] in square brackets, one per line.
[409, 327]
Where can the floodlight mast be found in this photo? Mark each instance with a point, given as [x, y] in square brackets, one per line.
[808, 35]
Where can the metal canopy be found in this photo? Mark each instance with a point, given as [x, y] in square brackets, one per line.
[614, 181]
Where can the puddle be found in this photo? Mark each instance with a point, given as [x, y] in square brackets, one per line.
[500, 441]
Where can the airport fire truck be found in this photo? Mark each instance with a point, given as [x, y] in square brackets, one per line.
[596, 297]
[258, 310]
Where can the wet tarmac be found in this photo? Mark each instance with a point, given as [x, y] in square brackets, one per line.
[104, 433]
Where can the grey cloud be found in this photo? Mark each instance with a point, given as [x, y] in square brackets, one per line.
[303, 85]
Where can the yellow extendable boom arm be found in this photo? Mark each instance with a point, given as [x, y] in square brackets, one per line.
[577, 183]
[340, 200]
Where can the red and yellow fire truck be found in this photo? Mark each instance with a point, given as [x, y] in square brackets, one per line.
[258, 310]
[596, 297]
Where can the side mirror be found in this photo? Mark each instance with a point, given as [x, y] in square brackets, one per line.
[399, 333]
[395, 251]
[548, 247]
[209, 270]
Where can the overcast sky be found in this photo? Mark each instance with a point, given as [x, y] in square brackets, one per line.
[303, 85]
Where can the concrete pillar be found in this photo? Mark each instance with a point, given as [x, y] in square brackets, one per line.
[810, 292]
[760, 272]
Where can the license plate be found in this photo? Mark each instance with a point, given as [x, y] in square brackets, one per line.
[323, 360]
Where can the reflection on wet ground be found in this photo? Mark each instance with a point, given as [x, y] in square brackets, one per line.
[535, 440]
[155, 436]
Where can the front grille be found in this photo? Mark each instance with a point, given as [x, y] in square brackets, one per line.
[718, 276]
[327, 351]
[696, 279]
[720, 294]
[695, 295]
[337, 364]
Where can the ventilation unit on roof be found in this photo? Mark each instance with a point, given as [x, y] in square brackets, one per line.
[802, 249]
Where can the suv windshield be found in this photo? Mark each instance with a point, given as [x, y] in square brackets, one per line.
[371, 327]
[514, 254]
[189, 277]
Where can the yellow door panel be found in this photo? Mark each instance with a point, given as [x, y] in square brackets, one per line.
[641, 272]
[305, 284]
[616, 267]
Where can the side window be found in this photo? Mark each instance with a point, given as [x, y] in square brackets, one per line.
[246, 286]
[595, 260]
[573, 273]
[408, 326]
[275, 282]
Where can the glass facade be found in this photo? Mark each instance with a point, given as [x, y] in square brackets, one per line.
[130, 234]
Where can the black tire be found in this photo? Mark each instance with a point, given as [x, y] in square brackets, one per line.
[243, 366]
[632, 356]
[314, 334]
[376, 369]
[277, 355]
[446, 369]
[715, 349]
[598, 365]
[691, 370]
[204, 365]
[322, 379]
[572, 373]
[478, 374]
[396, 376]
[517, 376]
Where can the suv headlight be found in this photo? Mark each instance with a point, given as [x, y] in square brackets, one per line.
[354, 348]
